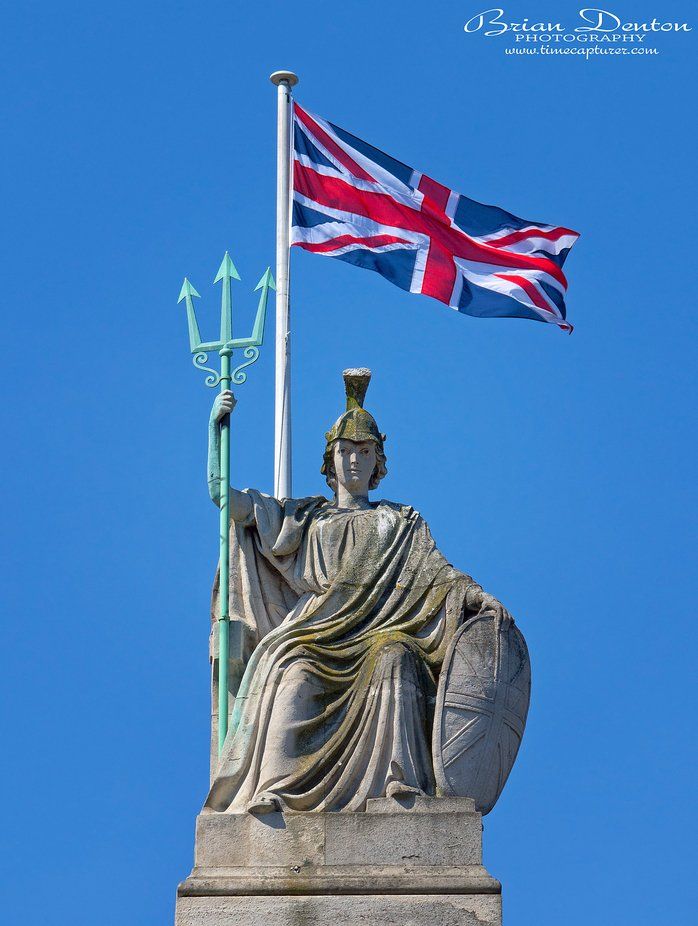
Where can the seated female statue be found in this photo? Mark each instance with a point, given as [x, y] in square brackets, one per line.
[352, 607]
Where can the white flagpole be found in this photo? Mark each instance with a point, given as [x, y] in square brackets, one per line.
[283, 80]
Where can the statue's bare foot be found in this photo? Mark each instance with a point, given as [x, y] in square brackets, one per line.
[400, 789]
[264, 803]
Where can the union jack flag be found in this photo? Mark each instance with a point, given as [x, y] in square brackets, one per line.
[354, 202]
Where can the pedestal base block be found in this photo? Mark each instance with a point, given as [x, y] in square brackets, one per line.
[407, 863]
[376, 910]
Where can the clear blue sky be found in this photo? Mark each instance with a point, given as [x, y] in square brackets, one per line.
[139, 145]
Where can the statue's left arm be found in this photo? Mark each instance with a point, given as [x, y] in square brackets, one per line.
[476, 599]
[480, 602]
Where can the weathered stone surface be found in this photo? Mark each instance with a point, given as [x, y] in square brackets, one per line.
[481, 707]
[413, 861]
[405, 910]
[422, 803]
[239, 840]
[387, 834]
[343, 609]
[419, 839]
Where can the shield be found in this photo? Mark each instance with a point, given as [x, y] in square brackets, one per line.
[481, 707]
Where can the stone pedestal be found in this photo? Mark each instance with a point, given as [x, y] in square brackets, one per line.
[408, 863]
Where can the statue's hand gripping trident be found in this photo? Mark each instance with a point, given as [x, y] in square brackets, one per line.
[225, 346]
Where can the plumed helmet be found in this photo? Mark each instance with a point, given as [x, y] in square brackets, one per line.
[356, 423]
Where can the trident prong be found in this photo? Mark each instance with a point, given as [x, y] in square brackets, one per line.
[265, 284]
[226, 272]
[187, 292]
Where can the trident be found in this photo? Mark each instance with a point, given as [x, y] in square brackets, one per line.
[225, 347]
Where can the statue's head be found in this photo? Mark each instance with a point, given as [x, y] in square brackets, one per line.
[354, 451]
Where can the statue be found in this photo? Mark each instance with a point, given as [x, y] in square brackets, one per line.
[353, 611]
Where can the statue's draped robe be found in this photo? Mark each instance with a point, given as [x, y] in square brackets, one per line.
[353, 611]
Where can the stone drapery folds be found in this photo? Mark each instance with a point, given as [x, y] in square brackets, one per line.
[352, 611]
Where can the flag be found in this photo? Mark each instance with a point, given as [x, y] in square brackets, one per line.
[354, 202]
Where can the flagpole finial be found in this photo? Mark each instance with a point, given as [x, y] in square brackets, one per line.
[284, 77]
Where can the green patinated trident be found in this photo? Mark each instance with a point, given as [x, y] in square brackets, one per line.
[225, 347]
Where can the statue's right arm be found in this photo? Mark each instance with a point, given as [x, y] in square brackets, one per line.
[240, 502]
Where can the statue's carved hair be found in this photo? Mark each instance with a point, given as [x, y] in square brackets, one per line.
[331, 475]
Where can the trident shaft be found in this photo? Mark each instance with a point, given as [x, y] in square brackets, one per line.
[225, 346]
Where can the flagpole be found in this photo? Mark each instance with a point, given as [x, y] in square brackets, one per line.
[283, 80]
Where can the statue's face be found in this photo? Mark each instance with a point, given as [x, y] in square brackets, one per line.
[354, 463]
